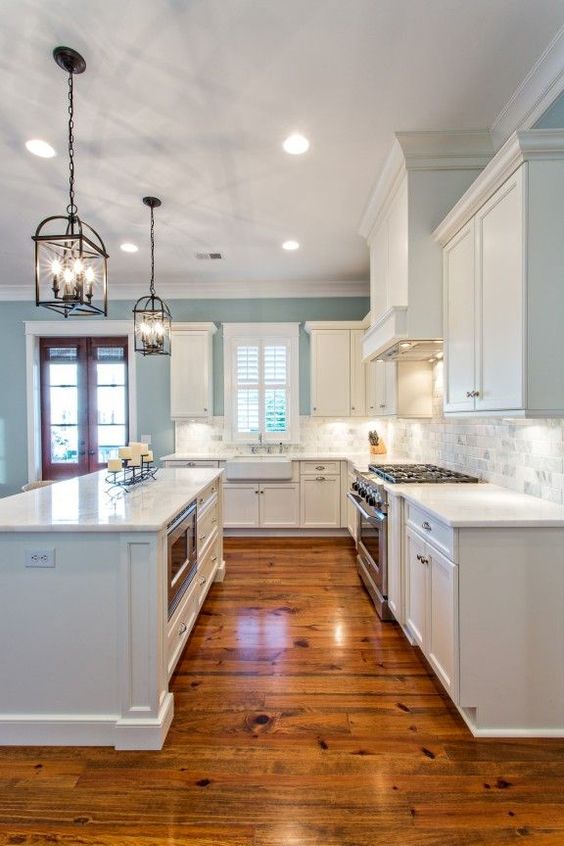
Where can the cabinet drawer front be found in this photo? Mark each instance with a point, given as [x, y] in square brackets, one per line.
[206, 572]
[314, 468]
[436, 533]
[207, 495]
[207, 525]
[180, 626]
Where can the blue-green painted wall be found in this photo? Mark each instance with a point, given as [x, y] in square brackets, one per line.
[153, 399]
[553, 118]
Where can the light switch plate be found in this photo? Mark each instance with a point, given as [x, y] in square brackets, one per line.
[40, 558]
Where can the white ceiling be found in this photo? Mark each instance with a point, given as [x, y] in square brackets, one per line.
[191, 99]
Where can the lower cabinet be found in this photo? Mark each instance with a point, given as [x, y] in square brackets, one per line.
[261, 505]
[431, 594]
[320, 502]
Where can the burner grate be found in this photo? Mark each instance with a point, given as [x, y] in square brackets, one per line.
[418, 473]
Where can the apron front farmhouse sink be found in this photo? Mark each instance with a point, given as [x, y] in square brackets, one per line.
[258, 468]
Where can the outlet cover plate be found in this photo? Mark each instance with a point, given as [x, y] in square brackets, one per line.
[40, 558]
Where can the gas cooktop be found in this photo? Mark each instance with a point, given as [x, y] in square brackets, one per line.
[421, 473]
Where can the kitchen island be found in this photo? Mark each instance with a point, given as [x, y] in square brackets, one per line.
[89, 639]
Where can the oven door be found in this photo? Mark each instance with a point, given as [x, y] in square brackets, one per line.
[373, 544]
[182, 556]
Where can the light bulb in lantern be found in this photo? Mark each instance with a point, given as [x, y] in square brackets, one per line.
[56, 267]
[77, 266]
[89, 276]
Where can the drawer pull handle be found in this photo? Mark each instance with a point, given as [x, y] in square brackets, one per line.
[320, 479]
[203, 537]
[214, 520]
[202, 581]
[190, 464]
[214, 558]
[427, 526]
[422, 558]
[321, 467]
[182, 629]
[382, 405]
[201, 500]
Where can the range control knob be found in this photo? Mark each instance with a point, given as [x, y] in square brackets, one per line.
[355, 485]
[370, 500]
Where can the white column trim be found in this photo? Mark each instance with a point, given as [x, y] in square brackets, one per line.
[36, 329]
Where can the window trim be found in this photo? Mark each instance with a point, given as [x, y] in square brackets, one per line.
[235, 333]
[77, 328]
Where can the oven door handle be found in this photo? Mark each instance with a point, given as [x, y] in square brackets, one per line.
[377, 517]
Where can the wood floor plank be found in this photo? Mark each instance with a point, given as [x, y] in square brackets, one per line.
[300, 718]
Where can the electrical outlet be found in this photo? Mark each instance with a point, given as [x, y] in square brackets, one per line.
[40, 558]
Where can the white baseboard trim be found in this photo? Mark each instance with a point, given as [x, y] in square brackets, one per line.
[87, 729]
[508, 732]
[286, 533]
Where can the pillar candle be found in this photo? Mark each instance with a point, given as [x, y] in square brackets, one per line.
[114, 464]
[124, 452]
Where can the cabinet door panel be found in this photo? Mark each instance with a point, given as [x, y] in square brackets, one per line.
[189, 374]
[415, 588]
[279, 506]
[358, 375]
[394, 558]
[241, 506]
[320, 502]
[500, 298]
[381, 388]
[459, 322]
[330, 373]
[442, 633]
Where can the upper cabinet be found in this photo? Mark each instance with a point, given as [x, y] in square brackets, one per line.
[191, 370]
[503, 294]
[424, 175]
[342, 385]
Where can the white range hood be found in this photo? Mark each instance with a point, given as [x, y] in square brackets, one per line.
[425, 174]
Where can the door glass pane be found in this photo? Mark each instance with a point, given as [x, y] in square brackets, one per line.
[111, 374]
[110, 438]
[64, 444]
[111, 404]
[64, 405]
[63, 374]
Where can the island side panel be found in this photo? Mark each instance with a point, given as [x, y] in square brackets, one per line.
[511, 601]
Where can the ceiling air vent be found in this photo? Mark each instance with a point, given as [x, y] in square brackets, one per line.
[208, 256]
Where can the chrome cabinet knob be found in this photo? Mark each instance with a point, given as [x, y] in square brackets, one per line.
[427, 526]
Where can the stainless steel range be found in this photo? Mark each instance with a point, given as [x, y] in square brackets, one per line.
[370, 498]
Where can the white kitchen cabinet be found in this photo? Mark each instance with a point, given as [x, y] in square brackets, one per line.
[400, 388]
[416, 588]
[460, 321]
[241, 506]
[357, 374]
[442, 636]
[279, 505]
[320, 502]
[191, 370]
[395, 580]
[503, 248]
[330, 373]
[351, 510]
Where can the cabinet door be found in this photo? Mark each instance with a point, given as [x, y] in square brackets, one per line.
[190, 377]
[441, 647]
[330, 373]
[381, 388]
[500, 330]
[459, 321]
[279, 506]
[416, 587]
[241, 506]
[320, 502]
[394, 558]
[358, 375]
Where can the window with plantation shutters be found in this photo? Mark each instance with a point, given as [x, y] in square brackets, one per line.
[261, 393]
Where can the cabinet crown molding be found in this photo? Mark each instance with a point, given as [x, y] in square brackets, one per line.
[449, 150]
[522, 146]
[330, 325]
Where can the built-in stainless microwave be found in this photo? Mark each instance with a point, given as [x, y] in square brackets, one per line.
[182, 555]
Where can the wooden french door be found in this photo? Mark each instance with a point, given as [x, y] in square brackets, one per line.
[84, 404]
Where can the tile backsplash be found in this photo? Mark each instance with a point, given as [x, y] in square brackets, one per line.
[525, 455]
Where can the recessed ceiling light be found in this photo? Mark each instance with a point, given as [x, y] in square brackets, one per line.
[40, 148]
[296, 144]
[406, 345]
[128, 248]
[290, 245]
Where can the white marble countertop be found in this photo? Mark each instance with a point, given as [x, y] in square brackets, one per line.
[481, 505]
[82, 504]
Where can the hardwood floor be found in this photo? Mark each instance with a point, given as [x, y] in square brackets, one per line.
[301, 720]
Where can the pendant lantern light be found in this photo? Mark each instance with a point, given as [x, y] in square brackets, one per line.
[71, 262]
[151, 315]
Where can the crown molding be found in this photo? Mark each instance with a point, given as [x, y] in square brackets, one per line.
[325, 325]
[216, 290]
[449, 150]
[523, 146]
[534, 95]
